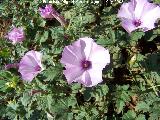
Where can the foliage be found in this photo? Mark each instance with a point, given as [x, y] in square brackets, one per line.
[130, 89]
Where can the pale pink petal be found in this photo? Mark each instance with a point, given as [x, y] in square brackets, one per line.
[50, 12]
[85, 79]
[95, 76]
[16, 35]
[99, 55]
[128, 25]
[87, 42]
[147, 8]
[31, 58]
[72, 55]
[28, 73]
[47, 11]
[124, 11]
[26, 68]
[68, 57]
[28, 61]
[78, 48]
[139, 7]
[72, 74]
[37, 57]
[28, 76]
[30, 65]
[150, 18]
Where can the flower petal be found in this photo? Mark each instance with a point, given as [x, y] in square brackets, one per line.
[150, 17]
[95, 77]
[125, 12]
[139, 7]
[16, 35]
[72, 74]
[128, 25]
[28, 60]
[37, 57]
[72, 55]
[99, 55]
[87, 45]
[85, 79]
[47, 11]
[28, 65]
[28, 76]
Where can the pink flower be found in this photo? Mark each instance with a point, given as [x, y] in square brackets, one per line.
[138, 14]
[47, 11]
[50, 13]
[30, 65]
[16, 35]
[84, 61]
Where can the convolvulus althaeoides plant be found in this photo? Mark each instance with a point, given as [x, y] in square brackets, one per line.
[91, 70]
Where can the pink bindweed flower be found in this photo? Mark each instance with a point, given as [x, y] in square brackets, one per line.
[30, 65]
[16, 35]
[138, 14]
[49, 12]
[84, 61]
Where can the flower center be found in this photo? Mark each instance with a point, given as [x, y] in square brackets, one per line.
[137, 23]
[86, 64]
[37, 68]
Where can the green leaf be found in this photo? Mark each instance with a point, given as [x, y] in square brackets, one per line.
[2, 83]
[6, 74]
[102, 90]
[135, 36]
[141, 117]
[57, 33]
[119, 105]
[75, 87]
[157, 1]
[130, 115]
[41, 22]
[26, 99]
[52, 72]
[87, 94]
[155, 112]
[44, 37]
[88, 18]
[70, 116]
[70, 101]
[50, 101]
[142, 106]
[13, 105]
[5, 52]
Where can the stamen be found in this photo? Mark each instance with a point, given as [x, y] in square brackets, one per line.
[137, 23]
[86, 64]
